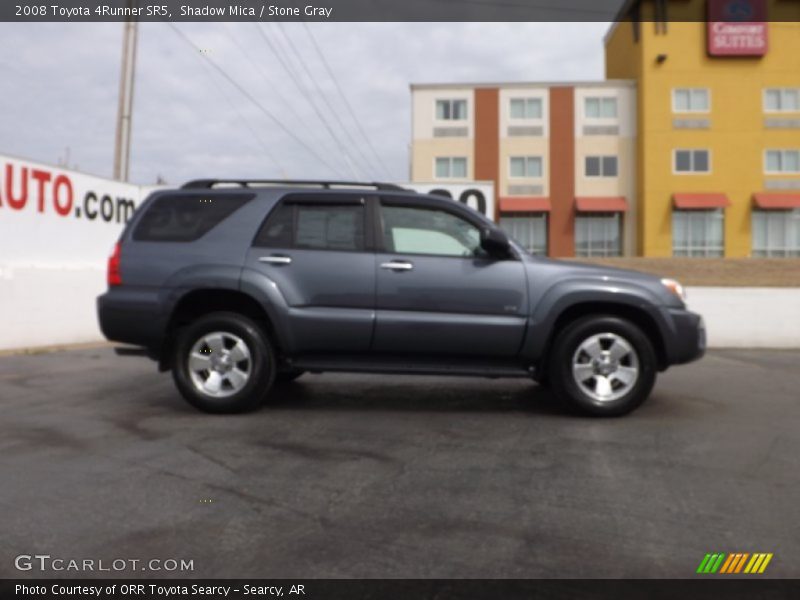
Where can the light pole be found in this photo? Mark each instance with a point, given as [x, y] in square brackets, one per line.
[122, 144]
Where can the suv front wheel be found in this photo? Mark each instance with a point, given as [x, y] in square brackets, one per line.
[223, 363]
[602, 365]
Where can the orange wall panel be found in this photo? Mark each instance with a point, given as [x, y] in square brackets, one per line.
[561, 234]
[487, 138]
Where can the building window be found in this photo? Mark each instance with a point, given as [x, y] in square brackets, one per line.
[597, 234]
[697, 233]
[690, 100]
[526, 166]
[528, 229]
[782, 100]
[451, 167]
[692, 161]
[451, 110]
[600, 108]
[782, 161]
[601, 166]
[776, 233]
[526, 108]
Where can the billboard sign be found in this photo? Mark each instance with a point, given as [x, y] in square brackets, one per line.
[476, 194]
[51, 215]
[57, 228]
[737, 27]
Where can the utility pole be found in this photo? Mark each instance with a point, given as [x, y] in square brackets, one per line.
[122, 147]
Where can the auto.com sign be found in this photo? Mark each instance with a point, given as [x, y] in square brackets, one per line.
[737, 27]
[50, 215]
[57, 227]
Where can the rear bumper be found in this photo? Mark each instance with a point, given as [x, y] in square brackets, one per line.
[131, 317]
[687, 341]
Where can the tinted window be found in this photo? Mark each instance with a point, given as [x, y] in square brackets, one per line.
[277, 231]
[683, 160]
[610, 166]
[700, 161]
[592, 166]
[330, 227]
[314, 226]
[409, 230]
[186, 217]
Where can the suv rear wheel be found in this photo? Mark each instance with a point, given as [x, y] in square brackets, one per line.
[602, 365]
[223, 363]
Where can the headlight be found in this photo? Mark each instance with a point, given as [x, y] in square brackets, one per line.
[675, 287]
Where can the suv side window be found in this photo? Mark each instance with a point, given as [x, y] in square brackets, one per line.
[417, 230]
[329, 227]
[314, 226]
[277, 230]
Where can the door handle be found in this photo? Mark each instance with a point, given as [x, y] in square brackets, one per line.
[276, 259]
[397, 265]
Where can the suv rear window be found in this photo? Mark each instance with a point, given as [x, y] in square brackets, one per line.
[186, 217]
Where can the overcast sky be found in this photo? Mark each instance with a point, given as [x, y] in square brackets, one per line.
[60, 85]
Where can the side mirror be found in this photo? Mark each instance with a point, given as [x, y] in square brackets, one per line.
[495, 241]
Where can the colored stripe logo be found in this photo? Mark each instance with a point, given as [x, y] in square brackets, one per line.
[736, 562]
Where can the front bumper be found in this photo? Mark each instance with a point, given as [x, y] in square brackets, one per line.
[688, 336]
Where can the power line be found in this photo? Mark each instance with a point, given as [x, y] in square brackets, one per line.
[274, 89]
[356, 146]
[260, 106]
[243, 119]
[287, 67]
[252, 130]
[346, 101]
[283, 59]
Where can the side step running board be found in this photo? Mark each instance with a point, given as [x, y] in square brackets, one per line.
[464, 368]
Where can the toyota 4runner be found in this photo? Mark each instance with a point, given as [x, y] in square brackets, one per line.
[235, 286]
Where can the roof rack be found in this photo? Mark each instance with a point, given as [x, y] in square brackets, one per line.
[210, 183]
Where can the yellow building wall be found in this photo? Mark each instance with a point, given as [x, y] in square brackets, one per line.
[624, 61]
[736, 138]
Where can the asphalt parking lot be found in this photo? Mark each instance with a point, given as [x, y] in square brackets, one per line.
[367, 476]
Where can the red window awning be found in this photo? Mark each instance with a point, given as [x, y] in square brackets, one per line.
[601, 204]
[524, 204]
[777, 201]
[700, 201]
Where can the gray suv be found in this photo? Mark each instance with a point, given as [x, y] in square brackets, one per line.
[236, 286]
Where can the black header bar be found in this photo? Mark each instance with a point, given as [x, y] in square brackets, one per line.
[379, 10]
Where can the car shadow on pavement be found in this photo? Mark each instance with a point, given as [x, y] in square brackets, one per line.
[414, 395]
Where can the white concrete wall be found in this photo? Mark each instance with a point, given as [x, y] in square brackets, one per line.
[748, 317]
[57, 228]
[49, 305]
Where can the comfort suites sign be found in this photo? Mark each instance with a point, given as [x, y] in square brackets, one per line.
[737, 27]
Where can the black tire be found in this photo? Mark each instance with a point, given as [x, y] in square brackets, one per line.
[541, 378]
[288, 375]
[578, 395]
[259, 367]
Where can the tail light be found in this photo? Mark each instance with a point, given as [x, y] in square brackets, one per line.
[114, 276]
